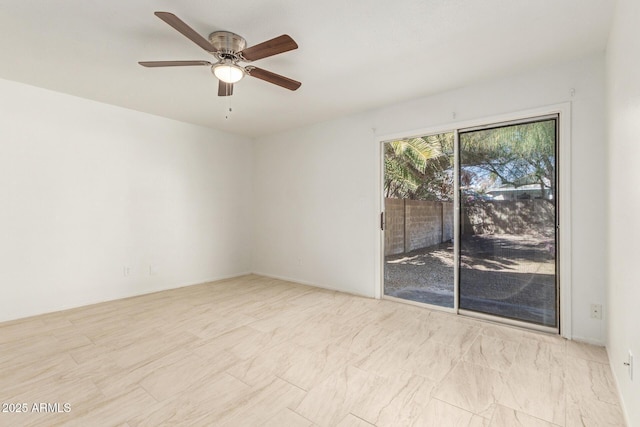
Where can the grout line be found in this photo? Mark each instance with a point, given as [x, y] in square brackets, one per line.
[360, 418]
[462, 409]
[300, 415]
[290, 383]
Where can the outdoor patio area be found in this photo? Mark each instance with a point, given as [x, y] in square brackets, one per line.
[502, 274]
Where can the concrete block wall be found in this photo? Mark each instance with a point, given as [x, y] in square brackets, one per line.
[447, 221]
[423, 224]
[394, 226]
[532, 217]
[416, 224]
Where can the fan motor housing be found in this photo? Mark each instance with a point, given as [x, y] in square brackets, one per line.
[227, 42]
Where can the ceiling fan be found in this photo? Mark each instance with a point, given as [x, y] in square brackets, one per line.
[230, 49]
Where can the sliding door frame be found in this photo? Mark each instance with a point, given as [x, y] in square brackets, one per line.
[563, 206]
[456, 225]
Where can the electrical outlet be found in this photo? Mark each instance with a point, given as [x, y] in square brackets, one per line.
[126, 271]
[596, 311]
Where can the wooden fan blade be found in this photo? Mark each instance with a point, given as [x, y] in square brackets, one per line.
[185, 30]
[280, 44]
[225, 89]
[172, 63]
[274, 78]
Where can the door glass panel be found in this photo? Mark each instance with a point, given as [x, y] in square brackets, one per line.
[419, 216]
[508, 221]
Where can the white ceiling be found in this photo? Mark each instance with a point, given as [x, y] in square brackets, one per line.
[354, 55]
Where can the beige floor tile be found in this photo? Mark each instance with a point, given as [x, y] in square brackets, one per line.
[502, 332]
[19, 330]
[68, 339]
[433, 360]
[490, 352]
[318, 299]
[478, 421]
[23, 376]
[295, 364]
[587, 380]
[593, 413]
[175, 377]
[149, 349]
[448, 317]
[218, 325]
[116, 381]
[438, 413]
[104, 325]
[217, 394]
[537, 393]
[456, 334]
[89, 353]
[115, 410]
[387, 358]
[353, 421]
[265, 309]
[405, 318]
[79, 394]
[545, 337]
[349, 310]
[26, 351]
[472, 387]
[540, 355]
[418, 333]
[122, 336]
[330, 401]
[307, 368]
[366, 339]
[261, 403]
[587, 351]
[259, 351]
[317, 335]
[243, 342]
[393, 400]
[287, 418]
[507, 417]
[32, 416]
[265, 364]
[283, 326]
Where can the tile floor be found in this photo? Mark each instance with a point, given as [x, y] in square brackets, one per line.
[254, 351]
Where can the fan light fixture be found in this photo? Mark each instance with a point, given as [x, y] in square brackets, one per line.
[229, 49]
[228, 72]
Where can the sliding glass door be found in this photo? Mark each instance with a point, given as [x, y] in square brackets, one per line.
[470, 220]
[507, 258]
[418, 202]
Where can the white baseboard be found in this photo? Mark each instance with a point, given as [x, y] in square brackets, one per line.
[617, 384]
[90, 302]
[306, 283]
[591, 341]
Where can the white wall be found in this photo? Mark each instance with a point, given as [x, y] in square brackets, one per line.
[623, 90]
[315, 212]
[87, 189]
[316, 188]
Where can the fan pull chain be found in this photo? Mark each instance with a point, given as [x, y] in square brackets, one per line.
[229, 109]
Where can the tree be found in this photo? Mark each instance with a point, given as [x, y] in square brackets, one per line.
[420, 168]
[513, 156]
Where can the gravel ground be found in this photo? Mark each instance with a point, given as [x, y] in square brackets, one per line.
[512, 276]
